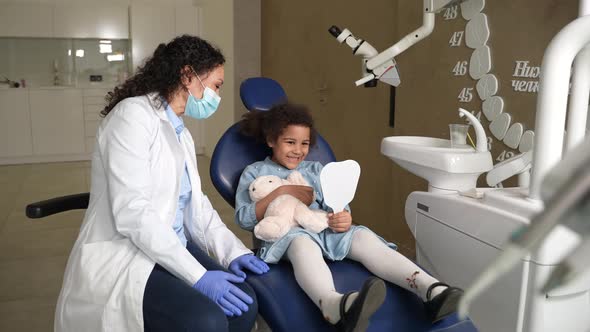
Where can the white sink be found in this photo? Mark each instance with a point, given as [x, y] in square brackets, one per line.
[433, 159]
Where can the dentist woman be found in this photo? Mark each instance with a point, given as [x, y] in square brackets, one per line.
[141, 260]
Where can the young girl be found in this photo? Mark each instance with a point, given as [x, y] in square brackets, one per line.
[288, 130]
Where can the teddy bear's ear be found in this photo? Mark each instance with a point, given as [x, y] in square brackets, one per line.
[254, 196]
[263, 185]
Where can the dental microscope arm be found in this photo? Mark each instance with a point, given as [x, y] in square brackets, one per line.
[382, 66]
[565, 188]
[362, 48]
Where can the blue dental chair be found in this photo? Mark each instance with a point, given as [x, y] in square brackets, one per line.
[282, 303]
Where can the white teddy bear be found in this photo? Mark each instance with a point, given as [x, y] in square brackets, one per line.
[285, 211]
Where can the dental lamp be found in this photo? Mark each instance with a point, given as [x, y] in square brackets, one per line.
[382, 66]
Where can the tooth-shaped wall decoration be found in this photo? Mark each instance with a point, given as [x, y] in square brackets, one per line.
[477, 35]
[470, 8]
[527, 142]
[513, 136]
[493, 107]
[500, 125]
[477, 31]
[487, 86]
[480, 62]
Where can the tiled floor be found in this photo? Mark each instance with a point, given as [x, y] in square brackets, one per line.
[33, 253]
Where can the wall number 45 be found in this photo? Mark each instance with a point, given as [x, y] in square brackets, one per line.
[466, 95]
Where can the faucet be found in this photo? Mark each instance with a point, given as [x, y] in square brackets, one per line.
[481, 140]
[56, 80]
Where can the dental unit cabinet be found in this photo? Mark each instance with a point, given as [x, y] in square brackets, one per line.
[551, 236]
[460, 230]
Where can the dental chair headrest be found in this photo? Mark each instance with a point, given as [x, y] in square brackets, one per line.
[254, 100]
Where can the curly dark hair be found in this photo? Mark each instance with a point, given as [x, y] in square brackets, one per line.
[163, 71]
[269, 125]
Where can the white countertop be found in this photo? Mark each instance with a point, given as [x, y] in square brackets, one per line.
[60, 87]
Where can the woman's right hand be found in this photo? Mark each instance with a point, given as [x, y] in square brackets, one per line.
[302, 193]
[219, 287]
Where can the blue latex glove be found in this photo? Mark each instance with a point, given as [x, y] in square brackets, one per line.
[217, 285]
[249, 262]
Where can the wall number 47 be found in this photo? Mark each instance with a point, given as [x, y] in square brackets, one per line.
[466, 95]
[456, 39]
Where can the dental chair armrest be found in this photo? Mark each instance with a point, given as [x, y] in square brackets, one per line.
[56, 205]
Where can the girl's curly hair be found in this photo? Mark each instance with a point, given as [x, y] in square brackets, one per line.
[269, 125]
[162, 73]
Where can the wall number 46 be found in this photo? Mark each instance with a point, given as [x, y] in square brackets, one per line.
[466, 95]
[460, 68]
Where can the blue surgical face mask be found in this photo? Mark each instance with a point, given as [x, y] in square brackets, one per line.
[202, 108]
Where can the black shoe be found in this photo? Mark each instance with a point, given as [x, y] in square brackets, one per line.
[369, 299]
[444, 304]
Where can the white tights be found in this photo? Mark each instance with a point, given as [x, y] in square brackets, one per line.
[314, 276]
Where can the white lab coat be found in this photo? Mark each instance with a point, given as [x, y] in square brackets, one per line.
[136, 169]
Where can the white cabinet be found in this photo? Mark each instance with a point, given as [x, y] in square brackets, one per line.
[15, 123]
[187, 20]
[150, 26]
[57, 121]
[91, 21]
[26, 20]
[171, 21]
[49, 124]
[64, 20]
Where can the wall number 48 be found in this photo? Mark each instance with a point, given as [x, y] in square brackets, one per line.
[466, 95]
[451, 13]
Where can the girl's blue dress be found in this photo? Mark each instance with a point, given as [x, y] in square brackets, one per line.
[335, 246]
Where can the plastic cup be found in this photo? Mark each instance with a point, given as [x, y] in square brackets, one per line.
[458, 134]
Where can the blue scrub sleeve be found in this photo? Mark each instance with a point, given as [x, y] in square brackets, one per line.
[245, 215]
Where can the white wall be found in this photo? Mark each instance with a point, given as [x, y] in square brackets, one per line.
[247, 45]
[217, 27]
[233, 26]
